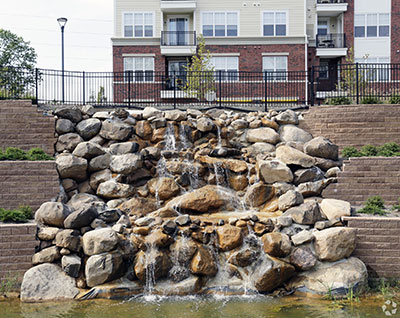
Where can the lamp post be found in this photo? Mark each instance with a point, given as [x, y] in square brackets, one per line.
[62, 22]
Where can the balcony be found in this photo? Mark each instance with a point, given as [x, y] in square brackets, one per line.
[331, 8]
[178, 43]
[178, 6]
[331, 45]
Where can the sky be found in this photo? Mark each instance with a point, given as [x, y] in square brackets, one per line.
[87, 34]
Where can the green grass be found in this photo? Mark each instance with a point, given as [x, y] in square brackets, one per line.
[8, 284]
[22, 214]
[16, 154]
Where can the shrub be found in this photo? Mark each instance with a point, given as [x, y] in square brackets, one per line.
[371, 100]
[34, 154]
[369, 151]
[349, 152]
[339, 101]
[394, 99]
[374, 205]
[12, 153]
[390, 149]
[22, 214]
[37, 154]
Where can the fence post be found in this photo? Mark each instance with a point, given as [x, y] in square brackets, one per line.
[83, 88]
[265, 92]
[357, 84]
[129, 88]
[220, 88]
[174, 81]
[36, 86]
[312, 93]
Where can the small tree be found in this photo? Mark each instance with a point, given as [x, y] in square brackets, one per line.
[101, 96]
[348, 75]
[17, 64]
[200, 72]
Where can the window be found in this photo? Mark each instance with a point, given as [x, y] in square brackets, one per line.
[275, 67]
[229, 67]
[138, 25]
[141, 68]
[220, 23]
[274, 23]
[375, 68]
[323, 27]
[372, 25]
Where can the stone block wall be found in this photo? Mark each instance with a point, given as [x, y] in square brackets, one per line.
[378, 241]
[27, 183]
[362, 178]
[17, 245]
[23, 126]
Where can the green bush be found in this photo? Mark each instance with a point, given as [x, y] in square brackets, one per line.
[12, 153]
[374, 205]
[37, 154]
[369, 151]
[22, 214]
[394, 99]
[34, 154]
[338, 101]
[349, 152]
[371, 100]
[390, 149]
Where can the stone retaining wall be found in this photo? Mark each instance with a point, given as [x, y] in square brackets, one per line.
[27, 183]
[378, 241]
[362, 178]
[17, 245]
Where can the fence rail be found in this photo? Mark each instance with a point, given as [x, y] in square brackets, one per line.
[347, 83]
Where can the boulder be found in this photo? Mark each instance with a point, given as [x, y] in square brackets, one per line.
[229, 237]
[287, 117]
[88, 150]
[72, 113]
[258, 194]
[69, 185]
[332, 172]
[238, 182]
[123, 148]
[323, 148]
[99, 241]
[310, 189]
[303, 259]
[70, 166]
[264, 134]
[102, 268]
[239, 124]
[307, 213]
[335, 243]
[52, 213]
[143, 129]
[271, 171]
[69, 239]
[302, 237]
[47, 282]
[110, 215]
[68, 142]
[71, 265]
[294, 229]
[81, 218]
[100, 163]
[291, 156]
[203, 263]
[139, 206]
[182, 250]
[99, 177]
[234, 165]
[308, 175]
[46, 233]
[260, 148]
[269, 123]
[336, 278]
[64, 126]
[159, 239]
[205, 124]
[115, 130]
[326, 164]
[125, 164]
[175, 115]
[290, 199]
[112, 189]
[276, 244]
[163, 188]
[46, 255]
[244, 257]
[183, 220]
[88, 128]
[291, 133]
[150, 112]
[83, 199]
[153, 263]
[334, 209]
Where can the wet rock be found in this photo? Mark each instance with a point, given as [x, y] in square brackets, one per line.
[183, 220]
[263, 134]
[88, 150]
[154, 262]
[291, 133]
[114, 190]
[238, 182]
[159, 239]
[64, 126]
[271, 171]
[182, 250]
[291, 156]
[229, 237]
[203, 263]
[306, 213]
[88, 128]
[335, 243]
[123, 148]
[115, 130]
[303, 259]
[99, 241]
[169, 227]
[69, 239]
[307, 175]
[72, 113]
[52, 213]
[335, 209]
[100, 163]
[287, 117]
[294, 229]
[47, 282]
[68, 142]
[302, 237]
[102, 268]
[125, 164]
[234, 165]
[70, 166]
[164, 188]
[71, 265]
[244, 257]
[322, 147]
[205, 124]
[139, 206]
[276, 244]
[47, 255]
[258, 194]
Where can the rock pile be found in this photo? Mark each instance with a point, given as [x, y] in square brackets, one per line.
[181, 202]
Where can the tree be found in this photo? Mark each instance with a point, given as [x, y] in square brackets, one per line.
[200, 81]
[349, 75]
[17, 65]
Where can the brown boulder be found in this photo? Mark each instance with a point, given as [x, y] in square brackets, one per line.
[203, 263]
[153, 262]
[276, 244]
[258, 194]
[165, 188]
[229, 237]
[159, 239]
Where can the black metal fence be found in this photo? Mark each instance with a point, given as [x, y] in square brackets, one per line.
[347, 83]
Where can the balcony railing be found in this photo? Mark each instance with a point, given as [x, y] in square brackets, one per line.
[331, 41]
[331, 1]
[178, 38]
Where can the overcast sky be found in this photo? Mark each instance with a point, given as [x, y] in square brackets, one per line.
[87, 32]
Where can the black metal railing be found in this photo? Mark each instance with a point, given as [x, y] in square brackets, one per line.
[178, 38]
[331, 1]
[337, 40]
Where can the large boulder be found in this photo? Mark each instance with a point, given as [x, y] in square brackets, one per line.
[139, 206]
[102, 268]
[72, 113]
[47, 282]
[336, 278]
[81, 218]
[99, 177]
[150, 112]
[80, 200]
[335, 243]
[175, 115]
[70, 166]
[276, 244]
[182, 250]
[46, 255]
[322, 147]
[302, 258]
[88, 150]
[153, 262]
[205, 124]
[69, 239]
[229, 237]
[287, 117]
[258, 194]
[292, 156]
[100, 163]
[115, 130]
[68, 142]
[271, 171]
[125, 164]
[143, 129]
[99, 241]
[334, 209]
[308, 175]
[260, 148]
[112, 189]
[203, 263]
[123, 148]
[88, 128]
[52, 213]
[64, 126]
[289, 199]
[158, 239]
[263, 134]
[291, 133]
[163, 188]
[307, 213]
[71, 265]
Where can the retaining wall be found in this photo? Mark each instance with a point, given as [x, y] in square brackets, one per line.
[27, 183]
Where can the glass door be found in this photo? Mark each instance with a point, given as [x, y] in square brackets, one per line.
[177, 73]
[177, 28]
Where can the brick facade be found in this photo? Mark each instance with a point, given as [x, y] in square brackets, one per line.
[378, 241]
[348, 25]
[395, 32]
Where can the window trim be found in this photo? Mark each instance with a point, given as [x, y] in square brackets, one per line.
[226, 67]
[226, 25]
[153, 24]
[275, 11]
[275, 70]
[378, 25]
[134, 70]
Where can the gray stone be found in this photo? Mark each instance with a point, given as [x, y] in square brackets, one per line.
[81, 218]
[47, 282]
[284, 221]
[88, 128]
[46, 233]
[303, 259]
[239, 124]
[99, 177]
[81, 199]
[124, 220]
[308, 175]
[326, 164]
[115, 130]
[69, 239]
[282, 188]
[125, 164]
[307, 213]
[335, 209]
[119, 228]
[183, 220]
[72, 113]
[332, 172]
[88, 150]
[52, 213]
[205, 124]
[102, 268]
[123, 148]
[64, 126]
[302, 237]
[291, 133]
[71, 265]
[47, 255]
[110, 215]
[294, 229]
[292, 156]
[264, 134]
[271, 171]
[98, 140]
[100, 162]
[149, 112]
[69, 185]
[84, 187]
[98, 224]
[287, 117]
[169, 227]
[70, 166]
[290, 199]
[114, 190]
[144, 221]
[99, 241]
[258, 194]
[322, 147]
[175, 115]
[68, 142]
[88, 110]
[310, 189]
[152, 153]
[260, 148]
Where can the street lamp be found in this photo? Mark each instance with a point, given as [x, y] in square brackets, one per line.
[62, 22]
